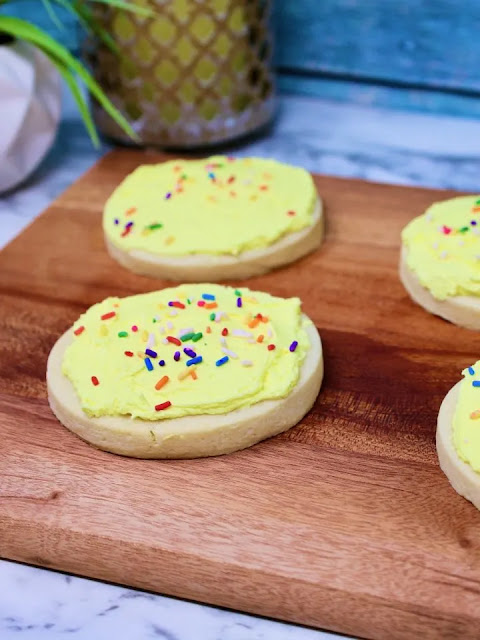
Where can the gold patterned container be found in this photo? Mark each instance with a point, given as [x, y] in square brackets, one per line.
[196, 73]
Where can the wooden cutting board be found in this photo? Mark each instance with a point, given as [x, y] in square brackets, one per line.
[344, 522]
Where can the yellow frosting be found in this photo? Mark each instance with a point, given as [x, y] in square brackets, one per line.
[444, 247]
[252, 372]
[217, 205]
[466, 421]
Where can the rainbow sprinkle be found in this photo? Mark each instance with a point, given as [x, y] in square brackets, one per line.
[163, 405]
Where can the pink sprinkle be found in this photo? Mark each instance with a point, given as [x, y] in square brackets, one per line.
[446, 230]
[134, 327]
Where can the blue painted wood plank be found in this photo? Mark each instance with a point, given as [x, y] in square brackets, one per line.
[370, 94]
[423, 42]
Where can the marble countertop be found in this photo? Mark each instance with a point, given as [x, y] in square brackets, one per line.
[325, 137]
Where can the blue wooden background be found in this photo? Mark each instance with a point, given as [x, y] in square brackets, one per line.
[410, 54]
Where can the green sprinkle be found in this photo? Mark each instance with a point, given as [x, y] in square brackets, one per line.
[212, 317]
[153, 320]
[463, 229]
[184, 176]
[238, 293]
[154, 226]
[189, 301]
[477, 202]
[122, 334]
[187, 336]
[196, 337]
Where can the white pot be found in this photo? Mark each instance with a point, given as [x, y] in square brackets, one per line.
[30, 104]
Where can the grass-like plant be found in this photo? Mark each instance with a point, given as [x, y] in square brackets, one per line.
[73, 71]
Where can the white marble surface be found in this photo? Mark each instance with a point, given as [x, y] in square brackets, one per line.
[323, 136]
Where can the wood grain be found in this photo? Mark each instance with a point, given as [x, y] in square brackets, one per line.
[345, 522]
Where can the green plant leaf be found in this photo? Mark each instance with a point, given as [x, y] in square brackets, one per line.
[21, 29]
[127, 6]
[52, 14]
[80, 100]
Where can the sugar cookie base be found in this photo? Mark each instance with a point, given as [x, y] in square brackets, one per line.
[463, 311]
[212, 268]
[190, 436]
[462, 477]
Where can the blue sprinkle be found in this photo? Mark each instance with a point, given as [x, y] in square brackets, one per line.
[211, 175]
[148, 364]
[151, 353]
[116, 221]
[473, 222]
[239, 302]
[208, 296]
[475, 383]
[221, 361]
[190, 352]
[471, 371]
[162, 363]
[197, 360]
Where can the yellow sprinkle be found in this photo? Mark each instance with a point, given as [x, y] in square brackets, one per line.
[141, 355]
[169, 240]
[475, 415]
[186, 372]
[254, 197]
[252, 300]
[103, 330]
[144, 335]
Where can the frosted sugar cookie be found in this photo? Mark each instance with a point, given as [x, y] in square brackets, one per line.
[212, 219]
[458, 435]
[196, 370]
[440, 260]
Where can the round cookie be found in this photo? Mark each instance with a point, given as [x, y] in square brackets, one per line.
[212, 219]
[191, 371]
[440, 260]
[458, 435]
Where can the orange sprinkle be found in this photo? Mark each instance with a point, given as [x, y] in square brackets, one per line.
[263, 187]
[211, 305]
[264, 318]
[116, 305]
[141, 355]
[208, 330]
[177, 167]
[253, 323]
[131, 211]
[475, 415]
[193, 373]
[162, 382]
[476, 209]
[260, 338]
[80, 330]
[290, 213]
